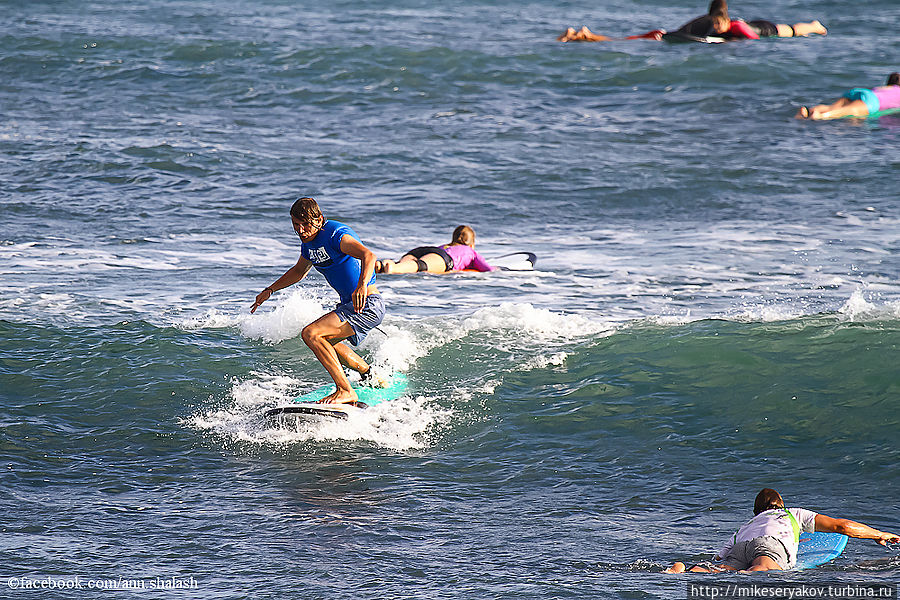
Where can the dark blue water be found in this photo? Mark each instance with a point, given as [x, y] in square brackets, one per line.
[715, 308]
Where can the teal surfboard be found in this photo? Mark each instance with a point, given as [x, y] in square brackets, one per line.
[819, 548]
[307, 404]
[875, 115]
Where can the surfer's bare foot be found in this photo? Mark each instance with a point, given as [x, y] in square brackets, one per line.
[803, 113]
[340, 397]
[676, 568]
[370, 378]
[378, 381]
[801, 29]
[816, 114]
[586, 35]
[387, 266]
[568, 35]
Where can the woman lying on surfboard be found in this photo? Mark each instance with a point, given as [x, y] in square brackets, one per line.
[459, 254]
[715, 23]
[858, 102]
[769, 541]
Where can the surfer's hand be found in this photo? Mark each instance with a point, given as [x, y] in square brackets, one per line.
[359, 297]
[260, 298]
[888, 538]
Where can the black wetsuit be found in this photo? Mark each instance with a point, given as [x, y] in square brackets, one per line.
[702, 27]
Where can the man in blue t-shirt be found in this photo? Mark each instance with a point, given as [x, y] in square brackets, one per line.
[349, 267]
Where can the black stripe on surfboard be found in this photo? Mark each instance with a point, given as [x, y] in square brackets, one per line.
[530, 257]
[336, 413]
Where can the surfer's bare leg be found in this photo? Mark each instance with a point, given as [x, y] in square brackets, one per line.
[401, 266]
[409, 264]
[801, 29]
[679, 567]
[582, 35]
[586, 35]
[350, 359]
[321, 336]
[764, 563]
[844, 107]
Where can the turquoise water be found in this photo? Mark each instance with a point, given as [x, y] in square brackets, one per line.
[715, 308]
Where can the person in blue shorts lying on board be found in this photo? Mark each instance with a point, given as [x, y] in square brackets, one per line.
[349, 267]
[858, 102]
[769, 541]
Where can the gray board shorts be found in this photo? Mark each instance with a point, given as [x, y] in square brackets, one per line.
[362, 322]
[743, 554]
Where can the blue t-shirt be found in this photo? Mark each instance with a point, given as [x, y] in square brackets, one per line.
[324, 252]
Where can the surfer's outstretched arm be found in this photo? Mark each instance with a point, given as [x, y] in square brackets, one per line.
[290, 277]
[855, 529]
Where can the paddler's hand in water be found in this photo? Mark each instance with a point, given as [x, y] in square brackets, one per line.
[359, 297]
[260, 298]
[887, 538]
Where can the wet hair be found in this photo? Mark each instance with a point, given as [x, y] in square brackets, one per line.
[718, 11]
[718, 6]
[767, 499]
[464, 235]
[893, 79]
[306, 210]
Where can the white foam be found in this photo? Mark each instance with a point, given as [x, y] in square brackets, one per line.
[857, 308]
[402, 424]
[543, 324]
[398, 349]
[557, 359]
[281, 318]
[766, 312]
[585, 283]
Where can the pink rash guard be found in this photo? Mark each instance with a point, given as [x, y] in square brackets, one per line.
[465, 257]
[888, 96]
[741, 29]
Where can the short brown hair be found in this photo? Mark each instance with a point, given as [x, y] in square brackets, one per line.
[306, 210]
[893, 79]
[463, 235]
[767, 499]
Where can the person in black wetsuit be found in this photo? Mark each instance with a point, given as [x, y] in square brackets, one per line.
[715, 22]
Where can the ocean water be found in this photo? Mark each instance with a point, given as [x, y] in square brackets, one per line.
[715, 308]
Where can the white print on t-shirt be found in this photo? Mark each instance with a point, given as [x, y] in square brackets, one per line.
[318, 255]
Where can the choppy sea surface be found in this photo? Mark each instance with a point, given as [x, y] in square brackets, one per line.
[715, 308]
